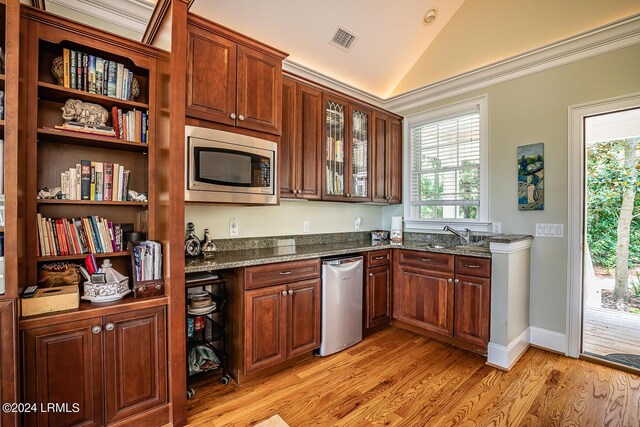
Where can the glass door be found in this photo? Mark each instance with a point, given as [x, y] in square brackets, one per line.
[359, 162]
[335, 148]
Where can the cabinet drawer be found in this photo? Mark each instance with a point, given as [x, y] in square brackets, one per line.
[283, 272]
[427, 260]
[376, 258]
[473, 266]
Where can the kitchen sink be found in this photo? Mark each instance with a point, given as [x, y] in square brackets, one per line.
[474, 247]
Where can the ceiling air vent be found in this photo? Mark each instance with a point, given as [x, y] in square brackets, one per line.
[343, 38]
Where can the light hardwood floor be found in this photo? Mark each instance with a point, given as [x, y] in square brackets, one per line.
[398, 378]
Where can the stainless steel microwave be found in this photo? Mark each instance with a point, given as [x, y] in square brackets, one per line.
[225, 167]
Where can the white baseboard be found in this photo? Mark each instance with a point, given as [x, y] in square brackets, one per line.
[503, 357]
[550, 340]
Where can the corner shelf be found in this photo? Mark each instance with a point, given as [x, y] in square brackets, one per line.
[58, 93]
[87, 139]
[83, 256]
[90, 202]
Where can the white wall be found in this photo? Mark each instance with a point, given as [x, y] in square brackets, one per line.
[535, 109]
[288, 218]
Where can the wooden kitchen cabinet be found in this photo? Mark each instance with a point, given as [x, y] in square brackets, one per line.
[472, 309]
[378, 296]
[303, 317]
[300, 146]
[232, 79]
[265, 331]
[113, 367]
[386, 162]
[346, 166]
[64, 364]
[135, 360]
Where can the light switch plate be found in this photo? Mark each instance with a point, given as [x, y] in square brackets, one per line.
[356, 223]
[306, 226]
[550, 230]
[497, 227]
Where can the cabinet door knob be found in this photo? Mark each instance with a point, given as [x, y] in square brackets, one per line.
[284, 292]
[457, 280]
[449, 280]
[241, 117]
[370, 274]
[233, 115]
[96, 329]
[290, 292]
[109, 327]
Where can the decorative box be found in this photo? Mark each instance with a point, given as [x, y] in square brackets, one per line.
[48, 300]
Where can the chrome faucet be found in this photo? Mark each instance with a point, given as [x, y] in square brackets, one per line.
[466, 237]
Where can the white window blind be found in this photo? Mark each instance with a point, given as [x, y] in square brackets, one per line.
[445, 167]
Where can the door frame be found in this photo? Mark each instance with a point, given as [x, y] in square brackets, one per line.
[575, 226]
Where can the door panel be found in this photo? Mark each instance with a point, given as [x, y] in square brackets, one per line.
[394, 162]
[378, 296]
[379, 159]
[135, 362]
[211, 77]
[287, 148]
[259, 91]
[63, 364]
[334, 152]
[303, 317]
[425, 299]
[8, 363]
[308, 142]
[359, 154]
[264, 328]
[472, 309]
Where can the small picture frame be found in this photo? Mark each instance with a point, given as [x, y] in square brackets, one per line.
[98, 278]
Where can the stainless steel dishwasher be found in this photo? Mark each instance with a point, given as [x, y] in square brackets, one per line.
[341, 304]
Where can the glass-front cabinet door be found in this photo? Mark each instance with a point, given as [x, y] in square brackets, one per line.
[346, 147]
[360, 138]
[334, 147]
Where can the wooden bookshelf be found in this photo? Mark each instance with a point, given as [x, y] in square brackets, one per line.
[89, 140]
[58, 93]
[83, 256]
[91, 203]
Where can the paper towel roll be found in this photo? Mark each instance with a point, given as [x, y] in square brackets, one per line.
[396, 223]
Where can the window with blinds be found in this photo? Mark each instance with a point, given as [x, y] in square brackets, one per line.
[445, 167]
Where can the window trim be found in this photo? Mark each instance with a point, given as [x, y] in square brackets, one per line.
[439, 113]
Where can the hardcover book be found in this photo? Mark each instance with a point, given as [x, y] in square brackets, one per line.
[113, 79]
[99, 77]
[66, 67]
[85, 179]
[85, 72]
[73, 71]
[92, 74]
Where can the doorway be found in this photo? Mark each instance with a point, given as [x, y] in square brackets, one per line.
[603, 318]
[611, 269]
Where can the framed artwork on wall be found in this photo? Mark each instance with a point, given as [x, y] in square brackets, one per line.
[530, 164]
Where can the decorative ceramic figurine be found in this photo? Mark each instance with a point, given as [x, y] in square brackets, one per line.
[192, 246]
[115, 287]
[84, 113]
[54, 193]
[134, 196]
[207, 246]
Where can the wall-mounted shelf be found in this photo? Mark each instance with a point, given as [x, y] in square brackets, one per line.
[83, 256]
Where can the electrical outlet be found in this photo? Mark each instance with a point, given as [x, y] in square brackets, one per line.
[497, 227]
[306, 225]
[357, 222]
[550, 230]
[233, 226]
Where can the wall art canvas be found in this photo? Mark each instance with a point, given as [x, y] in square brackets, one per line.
[531, 177]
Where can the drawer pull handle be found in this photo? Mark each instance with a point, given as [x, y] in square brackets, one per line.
[425, 259]
[284, 273]
[379, 257]
[472, 265]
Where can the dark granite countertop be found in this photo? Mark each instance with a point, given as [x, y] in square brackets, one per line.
[509, 238]
[243, 258]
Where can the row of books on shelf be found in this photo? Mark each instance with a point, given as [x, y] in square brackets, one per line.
[73, 236]
[335, 149]
[147, 261]
[96, 75]
[96, 181]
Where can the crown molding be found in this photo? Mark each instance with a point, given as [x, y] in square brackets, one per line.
[607, 38]
[325, 80]
[130, 14]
